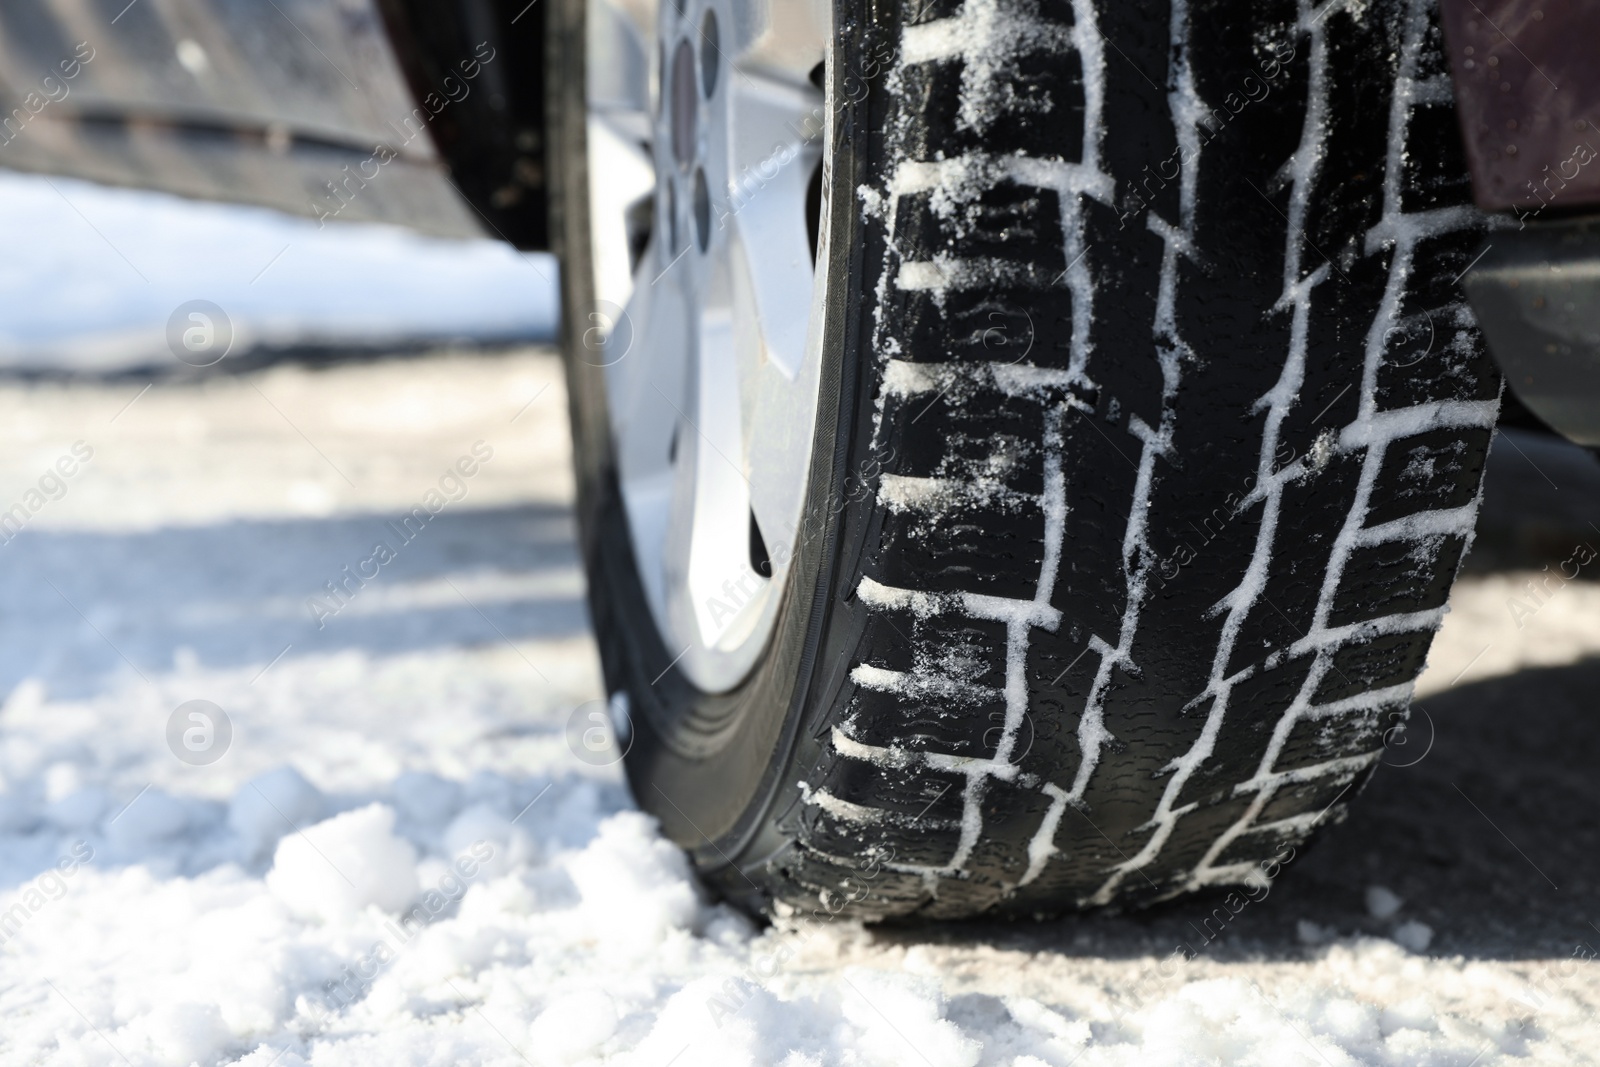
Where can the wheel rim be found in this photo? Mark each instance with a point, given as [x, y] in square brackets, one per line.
[705, 136]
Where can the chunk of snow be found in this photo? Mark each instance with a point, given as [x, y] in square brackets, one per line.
[266, 1056]
[426, 799]
[1414, 935]
[1382, 902]
[188, 1033]
[573, 1026]
[635, 886]
[897, 1015]
[16, 813]
[25, 698]
[340, 866]
[80, 809]
[152, 816]
[272, 804]
[513, 847]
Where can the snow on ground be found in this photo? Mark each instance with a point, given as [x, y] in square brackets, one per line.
[134, 257]
[399, 858]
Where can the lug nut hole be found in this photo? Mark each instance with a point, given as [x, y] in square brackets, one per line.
[702, 209]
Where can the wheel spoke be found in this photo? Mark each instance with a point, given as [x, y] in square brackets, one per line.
[645, 388]
[785, 39]
[770, 119]
[719, 583]
[775, 381]
[618, 56]
[770, 251]
[773, 250]
[619, 173]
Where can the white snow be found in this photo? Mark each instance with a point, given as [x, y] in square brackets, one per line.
[841, 809]
[1137, 557]
[152, 817]
[989, 35]
[575, 1025]
[505, 903]
[270, 805]
[1414, 935]
[479, 825]
[1382, 902]
[1043, 844]
[913, 685]
[133, 257]
[337, 868]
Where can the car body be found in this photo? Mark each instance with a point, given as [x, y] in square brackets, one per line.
[428, 116]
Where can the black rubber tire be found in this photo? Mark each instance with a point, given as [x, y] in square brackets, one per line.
[1133, 509]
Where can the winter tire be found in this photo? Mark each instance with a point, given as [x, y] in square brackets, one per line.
[1133, 434]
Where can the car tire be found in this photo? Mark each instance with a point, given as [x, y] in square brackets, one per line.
[1150, 434]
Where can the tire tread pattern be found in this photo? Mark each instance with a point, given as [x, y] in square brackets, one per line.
[1046, 713]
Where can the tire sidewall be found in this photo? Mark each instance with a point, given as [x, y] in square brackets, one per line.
[710, 766]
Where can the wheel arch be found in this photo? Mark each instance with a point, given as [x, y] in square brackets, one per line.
[494, 140]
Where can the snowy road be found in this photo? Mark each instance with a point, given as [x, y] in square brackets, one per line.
[150, 915]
